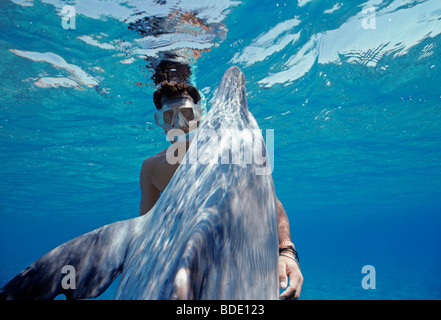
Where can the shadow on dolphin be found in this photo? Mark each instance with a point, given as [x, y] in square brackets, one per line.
[213, 233]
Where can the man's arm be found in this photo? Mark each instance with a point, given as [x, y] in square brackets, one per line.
[149, 193]
[284, 233]
[288, 266]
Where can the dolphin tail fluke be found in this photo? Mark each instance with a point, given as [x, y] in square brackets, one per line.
[81, 268]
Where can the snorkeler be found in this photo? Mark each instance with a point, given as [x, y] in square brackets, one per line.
[178, 104]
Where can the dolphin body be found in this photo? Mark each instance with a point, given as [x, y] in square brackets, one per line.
[213, 234]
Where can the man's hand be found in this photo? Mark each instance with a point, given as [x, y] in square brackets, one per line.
[289, 274]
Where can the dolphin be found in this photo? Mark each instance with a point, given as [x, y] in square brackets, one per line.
[213, 233]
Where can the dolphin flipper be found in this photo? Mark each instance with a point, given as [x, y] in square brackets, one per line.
[188, 279]
[198, 257]
[97, 258]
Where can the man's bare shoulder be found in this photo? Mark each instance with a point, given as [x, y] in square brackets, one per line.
[157, 171]
[154, 162]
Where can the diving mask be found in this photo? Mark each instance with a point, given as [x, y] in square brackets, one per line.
[177, 113]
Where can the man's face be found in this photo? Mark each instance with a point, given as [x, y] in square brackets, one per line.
[178, 112]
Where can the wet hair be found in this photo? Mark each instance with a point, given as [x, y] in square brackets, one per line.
[171, 71]
[172, 78]
[171, 89]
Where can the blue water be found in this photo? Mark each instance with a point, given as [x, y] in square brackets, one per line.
[356, 113]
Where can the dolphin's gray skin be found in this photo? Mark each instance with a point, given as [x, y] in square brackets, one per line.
[211, 235]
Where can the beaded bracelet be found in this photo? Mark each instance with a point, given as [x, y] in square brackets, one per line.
[286, 244]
